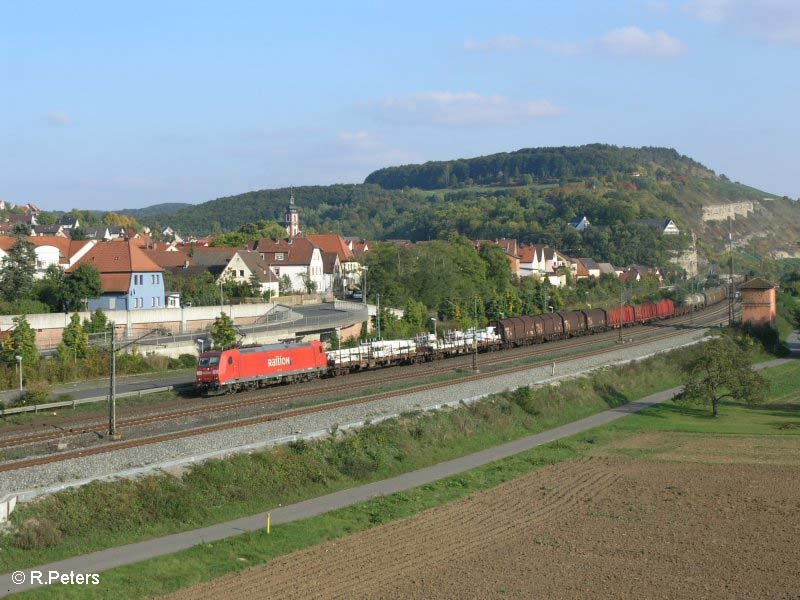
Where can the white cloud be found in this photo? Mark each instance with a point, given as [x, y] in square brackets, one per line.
[624, 42]
[58, 118]
[775, 21]
[634, 42]
[462, 109]
[500, 43]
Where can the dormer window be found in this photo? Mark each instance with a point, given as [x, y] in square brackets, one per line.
[279, 256]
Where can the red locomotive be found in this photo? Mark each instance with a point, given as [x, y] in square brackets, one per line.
[259, 366]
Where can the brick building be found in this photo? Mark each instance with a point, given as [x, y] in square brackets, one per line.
[758, 302]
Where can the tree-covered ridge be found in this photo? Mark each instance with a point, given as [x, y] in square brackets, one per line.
[538, 165]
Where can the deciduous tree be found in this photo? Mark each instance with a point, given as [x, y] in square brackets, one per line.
[223, 332]
[717, 370]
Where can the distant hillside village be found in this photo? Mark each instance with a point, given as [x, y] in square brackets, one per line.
[139, 273]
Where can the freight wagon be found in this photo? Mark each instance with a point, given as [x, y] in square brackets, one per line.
[249, 368]
[253, 367]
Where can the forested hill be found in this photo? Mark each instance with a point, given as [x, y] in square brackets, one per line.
[646, 183]
[538, 165]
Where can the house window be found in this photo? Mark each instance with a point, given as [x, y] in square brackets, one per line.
[241, 272]
[112, 303]
[279, 256]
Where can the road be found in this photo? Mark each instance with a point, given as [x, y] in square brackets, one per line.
[133, 553]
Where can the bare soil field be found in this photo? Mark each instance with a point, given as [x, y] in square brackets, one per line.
[607, 526]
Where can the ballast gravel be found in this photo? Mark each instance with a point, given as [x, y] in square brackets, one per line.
[28, 483]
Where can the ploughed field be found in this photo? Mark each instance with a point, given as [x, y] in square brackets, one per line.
[659, 514]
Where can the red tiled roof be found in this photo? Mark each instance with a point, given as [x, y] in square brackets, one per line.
[296, 251]
[115, 282]
[118, 257]
[331, 242]
[167, 258]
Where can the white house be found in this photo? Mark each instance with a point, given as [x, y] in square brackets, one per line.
[665, 226]
[244, 265]
[581, 224]
[296, 258]
[51, 250]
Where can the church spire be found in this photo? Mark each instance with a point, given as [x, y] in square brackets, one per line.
[292, 217]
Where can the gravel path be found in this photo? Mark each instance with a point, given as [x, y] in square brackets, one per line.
[173, 454]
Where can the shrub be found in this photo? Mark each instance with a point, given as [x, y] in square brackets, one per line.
[37, 533]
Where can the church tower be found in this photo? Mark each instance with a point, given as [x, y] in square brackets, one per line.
[292, 218]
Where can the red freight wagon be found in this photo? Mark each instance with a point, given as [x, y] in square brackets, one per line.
[620, 316]
[665, 308]
[249, 368]
[647, 311]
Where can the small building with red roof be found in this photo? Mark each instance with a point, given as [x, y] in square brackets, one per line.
[131, 280]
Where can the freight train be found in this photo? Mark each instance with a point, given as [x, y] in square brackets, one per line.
[250, 368]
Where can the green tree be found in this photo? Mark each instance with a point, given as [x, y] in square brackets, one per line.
[83, 283]
[21, 341]
[310, 284]
[720, 369]
[75, 338]
[97, 322]
[223, 332]
[51, 289]
[20, 229]
[285, 285]
[17, 271]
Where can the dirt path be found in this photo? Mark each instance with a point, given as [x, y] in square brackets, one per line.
[603, 527]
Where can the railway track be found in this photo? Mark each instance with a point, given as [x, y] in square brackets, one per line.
[82, 426]
[708, 317]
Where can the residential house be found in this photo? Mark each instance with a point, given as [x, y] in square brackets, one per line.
[579, 270]
[581, 224]
[130, 279]
[69, 222]
[169, 233]
[345, 272]
[664, 226]
[358, 246]
[296, 258]
[50, 250]
[591, 267]
[539, 260]
[245, 266]
[636, 272]
[51, 230]
[167, 259]
[608, 269]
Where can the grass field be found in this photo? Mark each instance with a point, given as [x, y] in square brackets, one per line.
[774, 422]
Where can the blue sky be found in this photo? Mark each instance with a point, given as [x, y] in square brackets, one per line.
[104, 106]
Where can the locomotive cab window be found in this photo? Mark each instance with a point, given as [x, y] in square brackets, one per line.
[209, 361]
[230, 360]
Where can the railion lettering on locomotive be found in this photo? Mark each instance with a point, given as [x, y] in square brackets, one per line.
[279, 361]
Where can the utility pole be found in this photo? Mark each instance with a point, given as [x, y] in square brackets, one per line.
[112, 393]
[619, 314]
[475, 335]
[730, 280]
[378, 314]
[364, 287]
